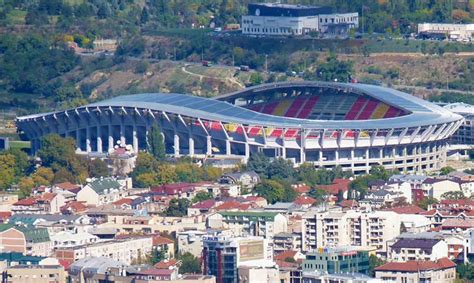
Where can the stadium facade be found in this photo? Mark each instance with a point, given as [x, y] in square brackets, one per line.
[355, 126]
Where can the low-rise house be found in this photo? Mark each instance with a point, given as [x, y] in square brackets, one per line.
[406, 249]
[437, 217]
[101, 191]
[179, 190]
[457, 224]
[7, 201]
[73, 207]
[26, 205]
[161, 243]
[379, 198]
[67, 187]
[190, 242]
[94, 269]
[35, 273]
[439, 271]
[437, 187]
[336, 186]
[246, 179]
[25, 239]
[304, 201]
[5, 216]
[415, 223]
[202, 207]
[68, 239]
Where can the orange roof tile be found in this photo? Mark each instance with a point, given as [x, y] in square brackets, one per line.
[407, 209]
[415, 266]
[286, 254]
[123, 201]
[166, 264]
[304, 200]
[160, 240]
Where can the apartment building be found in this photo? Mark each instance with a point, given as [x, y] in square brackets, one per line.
[35, 273]
[349, 228]
[123, 250]
[250, 223]
[406, 249]
[440, 271]
[25, 239]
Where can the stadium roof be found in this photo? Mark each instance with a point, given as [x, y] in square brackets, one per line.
[421, 112]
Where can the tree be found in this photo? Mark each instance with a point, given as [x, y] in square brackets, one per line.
[156, 144]
[275, 190]
[255, 79]
[25, 186]
[63, 175]
[258, 162]
[280, 169]
[340, 196]
[465, 271]
[98, 168]
[446, 170]
[7, 170]
[454, 195]
[374, 262]
[335, 70]
[158, 255]
[178, 207]
[189, 264]
[201, 196]
[426, 202]
[144, 16]
[403, 228]
[43, 176]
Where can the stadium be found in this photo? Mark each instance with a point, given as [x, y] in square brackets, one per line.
[355, 126]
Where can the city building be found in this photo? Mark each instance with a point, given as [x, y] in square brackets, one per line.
[286, 19]
[93, 269]
[461, 32]
[124, 250]
[440, 271]
[35, 273]
[465, 133]
[349, 228]
[7, 200]
[337, 260]
[406, 249]
[327, 124]
[25, 239]
[251, 223]
[101, 191]
[223, 255]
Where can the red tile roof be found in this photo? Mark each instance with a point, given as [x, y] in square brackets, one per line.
[160, 240]
[166, 264]
[336, 186]
[302, 188]
[157, 272]
[173, 189]
[415, 266]
[74, 206]
[286, 254]
[232, 205]
[407, 209]
[285, 264]
[48, 197]
[26, 202]
[304, 200]
[68, 186]
[457, 223]
[5, 214]
[254, 198]
[123, 201]
[205, 204]
[456, 202]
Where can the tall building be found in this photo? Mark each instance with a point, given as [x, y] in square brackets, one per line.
[337, 260]
[222, 255]
[349, 228]
[286, 19]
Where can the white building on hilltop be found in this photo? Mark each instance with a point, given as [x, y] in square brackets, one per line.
[286, 19]
[452, 31]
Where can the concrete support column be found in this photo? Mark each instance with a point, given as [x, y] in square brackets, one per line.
[208, 145]
[122, 135]
[191, 144]
[176, 144]
[135, 138]
[283, 148]
[228, 149]
[367, 160]
[99, 139]
[110, 133]
[78, 139]
[302, 147]
[352, 159]
[88, 139]
[147, 131]
[320, 158]
[247, 151]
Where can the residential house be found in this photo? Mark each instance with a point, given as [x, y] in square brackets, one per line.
[7, 200]
[246, 179]
[202, 207]
[25, 239]
[439, 271]
[101, 191]
[35, 273]
[437, 187]
[406, 249]
[286, 241]
[94, 269]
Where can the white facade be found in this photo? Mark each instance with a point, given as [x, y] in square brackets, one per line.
[350, 228]
[454, 31]
[438, 251]
[262, 25]
[351, 19]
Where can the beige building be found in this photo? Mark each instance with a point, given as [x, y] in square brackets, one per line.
[155, 224]
[349, 228]
[437, 187]
[36, 274]
[124, 250]
[102, 191]
[453, 31]
[440, 271]
[6, 201]
[27, 240]
[250, 223]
